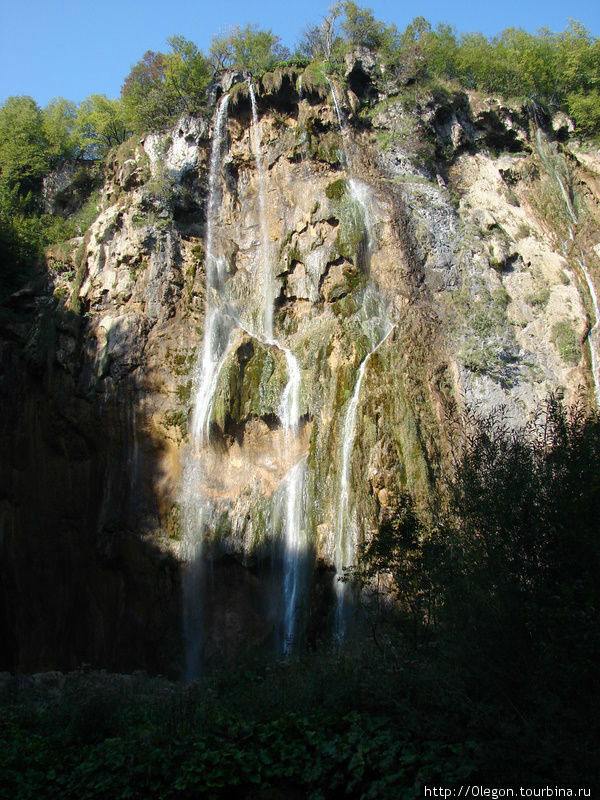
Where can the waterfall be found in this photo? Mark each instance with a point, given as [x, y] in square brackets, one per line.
[294, 546]
[345, 539]
[288, 411]
[217, 329]
[265, 270]
[343, 128]
[552, 166]
[294, 550]
[593, 334]
[217, 326]
[358, 191]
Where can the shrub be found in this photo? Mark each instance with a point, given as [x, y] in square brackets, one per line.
[566, 342]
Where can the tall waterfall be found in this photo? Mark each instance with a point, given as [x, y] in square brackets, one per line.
[346, 535]
[217, 328]
[265, 266]
[217, 324]
[293, 546]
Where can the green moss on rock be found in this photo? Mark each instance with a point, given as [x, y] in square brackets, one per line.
[337, 189]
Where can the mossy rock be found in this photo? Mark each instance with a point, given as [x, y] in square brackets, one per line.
[250, 384]
[314, 84]
[337, 189]
[239, 94]
[326, 148]
[352, 230]
[281, 79]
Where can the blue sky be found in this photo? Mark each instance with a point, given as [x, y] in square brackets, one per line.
[73, 49]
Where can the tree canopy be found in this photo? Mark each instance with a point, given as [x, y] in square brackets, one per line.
[249, 48]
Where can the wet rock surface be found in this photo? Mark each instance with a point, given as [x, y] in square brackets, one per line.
[439, 230]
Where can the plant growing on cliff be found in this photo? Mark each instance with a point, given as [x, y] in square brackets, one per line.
[566, 342]
[162, 86]
[249, 48]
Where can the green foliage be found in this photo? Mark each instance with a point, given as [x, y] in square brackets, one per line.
[184, 392]
[336, 190]
[585, 111]
[101, 124]
[88, 212]
[566, 342]
[60, 130]
[361, 29]
[249, 48]
[502, 572]
[161, 87]
[23, 151]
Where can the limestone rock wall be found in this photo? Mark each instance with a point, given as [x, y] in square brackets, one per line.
[453, 230]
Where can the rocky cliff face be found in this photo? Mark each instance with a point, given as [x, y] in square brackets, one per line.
[425, 254]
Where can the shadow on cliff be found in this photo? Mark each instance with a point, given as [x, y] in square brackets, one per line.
[79, 582]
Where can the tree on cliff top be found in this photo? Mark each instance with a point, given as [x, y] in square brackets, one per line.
[249, 48]
[361, 29]
[23, 146]
[162, 86]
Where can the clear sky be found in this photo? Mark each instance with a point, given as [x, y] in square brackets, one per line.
[73, 48]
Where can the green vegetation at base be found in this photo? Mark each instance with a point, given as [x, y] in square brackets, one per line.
[149, 738]
[482, 671]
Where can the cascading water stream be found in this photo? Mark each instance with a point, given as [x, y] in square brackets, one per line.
[346, 539]
[594, 332]
[217, 328]
[217, 325]
[293, 544]
[342, 124]
[265, 269]
[358, 190]
[542, 150]
[288, 410]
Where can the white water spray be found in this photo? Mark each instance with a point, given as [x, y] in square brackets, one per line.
[294, 545]
[288, 410]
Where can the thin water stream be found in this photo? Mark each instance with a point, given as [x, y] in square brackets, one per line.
[594, 332]
[346, 543]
